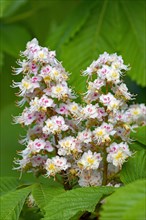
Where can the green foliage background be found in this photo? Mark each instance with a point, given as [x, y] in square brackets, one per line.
[79, 30]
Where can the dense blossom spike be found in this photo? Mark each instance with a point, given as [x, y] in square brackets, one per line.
[84, 143]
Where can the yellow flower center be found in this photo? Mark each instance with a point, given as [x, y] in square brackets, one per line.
[99, 133]
[59, 89]
[114, 74]
[49, 125]
[41, 55]
[26, 85]
[51, 166]
[56, 73]
[90, 160]
[47, 78]
[74, 108]
[119, 156]
[135, 112]
[67, 144]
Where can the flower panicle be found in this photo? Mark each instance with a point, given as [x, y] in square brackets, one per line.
[85, 143]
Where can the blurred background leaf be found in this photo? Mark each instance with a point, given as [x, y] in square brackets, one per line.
[18, 39]
[79, 30]
[8, 7]
[112, 26]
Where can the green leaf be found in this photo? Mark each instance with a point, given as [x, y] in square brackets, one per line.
[137, 146]
[8, 184]
[140, 135]
[135, 168]
[70, 27]
[11, 42]
[8, 7]
[12, 203]
[127, 203]
[43, 193]
[71, 202]
[98, 34]
[1, 59]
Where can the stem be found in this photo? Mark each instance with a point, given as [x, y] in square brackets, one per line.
[56, 142]
[113, 176]
[66, 183]
[105, 167]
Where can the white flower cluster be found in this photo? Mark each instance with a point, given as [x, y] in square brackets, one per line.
[79, 142]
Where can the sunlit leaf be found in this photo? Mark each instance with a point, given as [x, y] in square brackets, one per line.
[127, 203]
[70, 203]
[12, 203]
[8, 184]
[135, 168]
[44, 193]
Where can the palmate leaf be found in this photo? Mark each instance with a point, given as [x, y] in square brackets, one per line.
[12, 203]
[112, 26]
[135, 168]
[127, 203]
[77, 200]
[8, 184]
[44, 193]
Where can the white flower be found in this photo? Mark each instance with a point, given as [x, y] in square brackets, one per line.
[91, 69]
[103, 72]
[46, 102]
[136, 114]
[90, 111]
[55, 165]
[27, 85]
[26, 118]
[21, 164]
[54, 125]
[24, 66]
[37, 145]
[34, 105]
[74, 108]
[60, 91]
[62, 109]
[89, 160]
[123, 133]
[32, 47]
[110, 101]
[106, 99]
[67, 146]
[38, 160]
[118, 153]
[109, 128]
[42, 55]
[48, 147]
[85, 136]
[103, 133]
[90, 178]
[45, 73]
[113, 76]
[122, 90]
